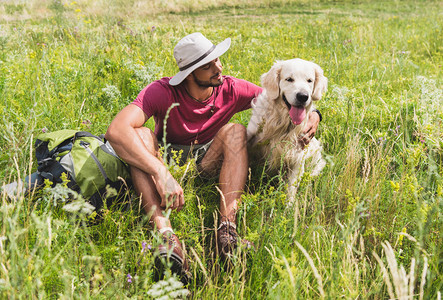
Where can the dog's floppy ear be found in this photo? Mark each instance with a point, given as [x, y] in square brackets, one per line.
[320, 84]
[270, 81]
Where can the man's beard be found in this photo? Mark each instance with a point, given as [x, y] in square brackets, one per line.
[206, 84]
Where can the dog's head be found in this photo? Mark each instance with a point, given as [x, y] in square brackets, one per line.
[297, 83]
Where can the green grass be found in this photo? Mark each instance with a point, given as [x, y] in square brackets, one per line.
[76, 64]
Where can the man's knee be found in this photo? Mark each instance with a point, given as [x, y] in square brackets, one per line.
[233, 139]
[149, 139]
[234, 132]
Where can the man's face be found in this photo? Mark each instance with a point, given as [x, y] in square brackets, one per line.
[209, 75]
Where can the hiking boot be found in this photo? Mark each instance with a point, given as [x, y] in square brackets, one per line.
[227, 240]
[171, 253]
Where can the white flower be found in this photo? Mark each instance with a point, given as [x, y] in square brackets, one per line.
[168, 289]
[111, 92]
[144, 74]
[431, 99]
[80, 207]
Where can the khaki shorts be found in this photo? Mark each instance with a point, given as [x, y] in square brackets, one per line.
[188, 152]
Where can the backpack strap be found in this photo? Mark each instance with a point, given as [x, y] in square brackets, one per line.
[86, 134]
[97, 162]
[86, 146]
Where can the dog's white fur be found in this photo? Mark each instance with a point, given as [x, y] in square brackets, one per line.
[271, 131]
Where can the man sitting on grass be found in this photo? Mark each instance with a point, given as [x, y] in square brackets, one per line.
[198, 125]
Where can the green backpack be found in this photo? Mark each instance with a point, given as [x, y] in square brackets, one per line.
[89, 163]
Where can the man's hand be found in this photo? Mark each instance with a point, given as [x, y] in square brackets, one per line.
[170, 191]
[311, 128]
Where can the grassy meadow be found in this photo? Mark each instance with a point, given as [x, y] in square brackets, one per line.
[370, 226]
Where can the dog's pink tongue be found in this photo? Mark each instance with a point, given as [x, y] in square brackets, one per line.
[297, 114]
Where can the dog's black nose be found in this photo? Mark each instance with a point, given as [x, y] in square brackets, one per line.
[302, 97]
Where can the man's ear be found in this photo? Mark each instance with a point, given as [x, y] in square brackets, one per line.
[320, 84]
[270, 81]
[189, 77]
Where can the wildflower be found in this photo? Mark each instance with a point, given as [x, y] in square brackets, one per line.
[153, 28]
[44, 129]
[145, 246]
[129, 278]
[111, 92]
[141, 72]
[395, 186]
[168, 289]
[79, 206]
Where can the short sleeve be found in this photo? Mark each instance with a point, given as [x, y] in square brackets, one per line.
[152, 99]
[246, 92]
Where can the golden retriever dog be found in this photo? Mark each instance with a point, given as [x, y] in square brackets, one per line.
[279, 116]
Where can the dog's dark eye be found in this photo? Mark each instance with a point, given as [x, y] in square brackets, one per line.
[290, 79]
[309, 80]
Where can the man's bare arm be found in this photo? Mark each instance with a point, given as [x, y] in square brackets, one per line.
[129, 146]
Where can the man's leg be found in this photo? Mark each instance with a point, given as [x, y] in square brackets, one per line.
[146, 189]
[229, 156]
[144, 183]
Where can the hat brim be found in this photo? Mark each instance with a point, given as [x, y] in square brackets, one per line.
[219, 50]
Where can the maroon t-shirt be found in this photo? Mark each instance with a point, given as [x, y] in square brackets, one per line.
[192, 121]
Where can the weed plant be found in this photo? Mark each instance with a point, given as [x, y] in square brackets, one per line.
[368, 227]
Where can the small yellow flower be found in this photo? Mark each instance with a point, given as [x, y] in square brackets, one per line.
[395, 185]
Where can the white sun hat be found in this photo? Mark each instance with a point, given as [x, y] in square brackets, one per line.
[193, 51]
